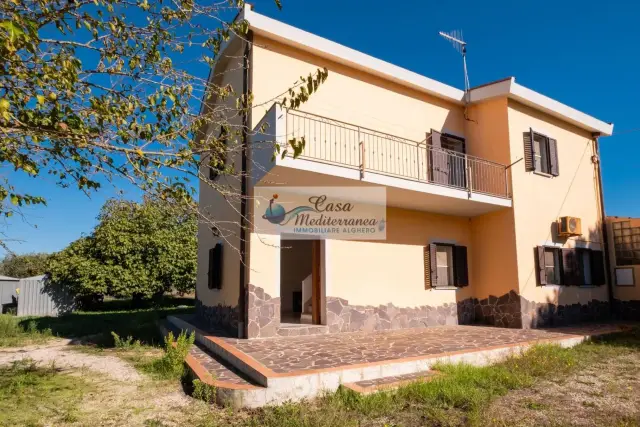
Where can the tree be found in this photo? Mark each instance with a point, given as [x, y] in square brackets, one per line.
[95, 91]
[25, 265]
[137, 250]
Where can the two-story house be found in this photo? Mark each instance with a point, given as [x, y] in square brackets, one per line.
[494, 207]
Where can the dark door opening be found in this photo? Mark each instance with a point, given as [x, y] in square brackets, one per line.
[300, 281]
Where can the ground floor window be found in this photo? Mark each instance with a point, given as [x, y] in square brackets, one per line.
[446, 265]
[569, 266]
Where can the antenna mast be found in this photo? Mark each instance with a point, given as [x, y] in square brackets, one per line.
[456, 39]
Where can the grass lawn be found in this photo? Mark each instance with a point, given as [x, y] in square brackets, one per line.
[595, 383]
[95, 327]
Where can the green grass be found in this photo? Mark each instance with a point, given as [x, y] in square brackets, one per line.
[14, 332]
[96, 327]
[38, 396]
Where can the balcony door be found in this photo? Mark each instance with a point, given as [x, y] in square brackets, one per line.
[446, 160]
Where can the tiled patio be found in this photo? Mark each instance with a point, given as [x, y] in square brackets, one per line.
[254, 373]
[295, 354]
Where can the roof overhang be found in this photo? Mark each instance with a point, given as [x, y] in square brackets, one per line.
[512, 90]
[288, 35]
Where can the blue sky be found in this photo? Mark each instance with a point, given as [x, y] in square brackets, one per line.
[582, 53]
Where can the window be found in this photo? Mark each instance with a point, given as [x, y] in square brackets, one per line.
[541, 153]
[552, 265]
[218, 157]
[215, 267]
[569, 266]
[445, 265]
[626, 240]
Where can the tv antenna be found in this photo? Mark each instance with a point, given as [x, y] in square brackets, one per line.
[456, 39]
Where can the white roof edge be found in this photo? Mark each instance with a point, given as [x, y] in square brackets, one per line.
[513, 90]
[304, 40]
[289, 35]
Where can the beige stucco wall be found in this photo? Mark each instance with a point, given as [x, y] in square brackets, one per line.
[493, 234]
[539, 200]
[348, 95]
[224, 210]
[374, 273]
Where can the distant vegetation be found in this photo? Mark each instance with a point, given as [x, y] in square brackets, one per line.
[25, 265]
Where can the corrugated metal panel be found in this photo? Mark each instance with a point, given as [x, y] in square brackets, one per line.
[8, 291]
[37, 298]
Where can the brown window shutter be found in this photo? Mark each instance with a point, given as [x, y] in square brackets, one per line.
[542, 273]
[570, 268]
[529, 158]
[460, 265]
[427, 267]
[436, 138]
[215, 267]
[553, 157]
[597, 268]
[430, 266]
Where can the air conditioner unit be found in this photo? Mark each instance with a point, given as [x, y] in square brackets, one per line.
[569, 226]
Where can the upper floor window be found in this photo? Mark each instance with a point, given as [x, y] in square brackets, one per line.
[541, 153]
[218, 158]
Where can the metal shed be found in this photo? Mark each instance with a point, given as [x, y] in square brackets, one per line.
[8, 296]
[39, 298]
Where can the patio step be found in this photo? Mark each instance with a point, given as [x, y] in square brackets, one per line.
[215, 345]
[389, 383]
[233, 388]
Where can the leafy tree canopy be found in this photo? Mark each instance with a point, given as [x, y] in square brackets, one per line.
[25, 265]
[136, 250]
[96, 91]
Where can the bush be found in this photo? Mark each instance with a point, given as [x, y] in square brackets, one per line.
[171, 364]
[126, 344]
[203, 391]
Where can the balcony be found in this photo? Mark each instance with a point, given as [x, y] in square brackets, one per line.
[345, 154]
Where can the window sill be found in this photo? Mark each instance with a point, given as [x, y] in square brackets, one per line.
[445, 288]
[588, 286]
[547, 175]
[551, 286]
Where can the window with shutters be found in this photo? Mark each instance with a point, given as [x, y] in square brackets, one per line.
[446, 265]
[552, 265]
[541, 153]
[570, 266]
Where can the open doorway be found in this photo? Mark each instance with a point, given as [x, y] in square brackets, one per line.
[300, 281]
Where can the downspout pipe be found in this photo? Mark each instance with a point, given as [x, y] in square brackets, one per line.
[242, 303]
[605, 233]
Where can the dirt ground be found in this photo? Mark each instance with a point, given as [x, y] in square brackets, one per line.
[119, 395]
[605, 393]
[59, 353]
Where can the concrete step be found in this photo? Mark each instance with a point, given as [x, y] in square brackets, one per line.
[216, 346]
[232, 387]
[389, 383]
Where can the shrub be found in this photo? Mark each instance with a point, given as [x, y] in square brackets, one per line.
[171, 364]
[203, 391]
[125, 344]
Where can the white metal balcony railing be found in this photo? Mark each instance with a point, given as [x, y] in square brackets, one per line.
[339, 143]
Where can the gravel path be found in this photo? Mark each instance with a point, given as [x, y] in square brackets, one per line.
[58, 353]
